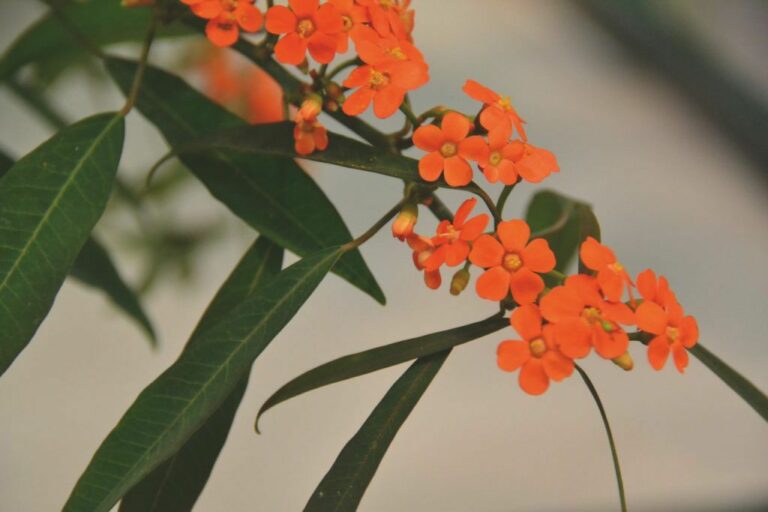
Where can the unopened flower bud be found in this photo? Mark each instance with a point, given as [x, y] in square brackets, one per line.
[137, 3]
[460, 281]
[334, 91]
[403, 225]
[331, 106]
[624, 361]
[311, 107]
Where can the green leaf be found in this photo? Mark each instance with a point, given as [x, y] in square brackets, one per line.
[343, 486]
[378, 358]
[175, 485]
[95, 268]
[6, 163]
[274, 195]
[276, 139]
[745, 389]
[49, 202]
[104, 22]
[172, 408]
[563, 222]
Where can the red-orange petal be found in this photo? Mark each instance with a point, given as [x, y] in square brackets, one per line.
[561, 303]
[609, 345]
[249, 17]
[322, 47]
[387, 101]
[432, 279]
[689, 331]
[514, 234]
[456, 253]
[291, 49]
[573, 337]
[508, 172]
[428, 138]
[455, 126]
[527, 322]
[493, 284]
[328, 19]
[474, 148]
[357, 102]
[533, 379]
[658, 351]
[463, 212]
[646, 284]
[457, 171]
[512, 354]
[303, 8]
[538, 257]
[611, 283]
[595, 255]
[359, 77]
[474, 227]
[207, 9]
[680, 357]
[220, 33]
[479, 92]
[651, 318]
[486, 252]
[280, 20]
[431, 166]
[526, 286]
[557, 366]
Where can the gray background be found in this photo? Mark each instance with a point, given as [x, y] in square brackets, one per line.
[670, 192]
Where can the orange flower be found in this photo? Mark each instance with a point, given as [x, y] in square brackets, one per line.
[513, 263]
[453, 239]
[305, 27]
[391, 17]
[537, 354]
[309, 135]
[584, 319]
[391, 70]
[352, 16]
[405, 221]
[264, 97]
[662, 315]
[449, 149]
[611, 275]
[498, 110]
[226, 18]
[508, 160]
[423, 248]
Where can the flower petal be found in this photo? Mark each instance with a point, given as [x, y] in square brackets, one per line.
[527, 322]
[689, 331]
[573, 337]
[455, 126]
[609, 345]
[526, 286]
[428, 138]
[249, 18]
[512, 354]
[658, 350]
[514, 234]
[280, 20]
[303, 8]
[463, 212]
[457, 171]
[474, 227]
[651, 318]
[533, 379]
[456, 253]
[387, 101]
[220, 33]
[486, 252]
[493, 284]
[646, 284]
[479, 92]
[291, 49]
[538, 257]
[474, 148]
[595, 255]
[357, 102]
[430, 166]
[557, 366]
[328, 19]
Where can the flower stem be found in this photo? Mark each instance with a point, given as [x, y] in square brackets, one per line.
[614, 452]
[357, 242]
[503, 198]
[143, 58]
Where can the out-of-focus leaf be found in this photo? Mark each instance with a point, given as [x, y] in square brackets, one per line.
[563, 222]
[343, 486]
[49, 202]
[377, 358]
[103, 22]
[6, 163]
[94, 267]
[274, 195]
[745, 389]
[175, 485]
[172, 408]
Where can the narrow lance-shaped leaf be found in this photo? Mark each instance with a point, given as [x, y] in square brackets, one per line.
[564, 222]
[378, 358]
[274, 195]
[343, 486]
[175, 485]
[104, 22]
[49, 202]
[95, 268]
[737, 382]
[172, 408]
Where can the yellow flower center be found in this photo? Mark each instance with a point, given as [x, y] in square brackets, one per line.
[538, 347]
[512, 262]
[346, 23]
[386, 4]
[504, 103]
[397, 53]
[378, 79]
[672, 333]
[617, 267]
[594, 316]
[305, 27]
[448, 149]
[495, 158]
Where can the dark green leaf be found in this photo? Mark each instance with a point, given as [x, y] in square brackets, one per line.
[563, 222]
[175, 485]
[6, 163]
[343, 486]
[377, 358]
[94, 267]
[172, 408]
[274, 195]
[103, 22]
[745, 389]
[49, 202]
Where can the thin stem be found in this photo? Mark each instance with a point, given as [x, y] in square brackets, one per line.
[341, 67]
[482, 194]
[614, 452]
[142, 66]
[557, 275]
[503, 198]
[405, 108]
[357, 242]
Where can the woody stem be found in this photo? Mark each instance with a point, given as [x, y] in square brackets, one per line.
[357, 242]
[143, 58]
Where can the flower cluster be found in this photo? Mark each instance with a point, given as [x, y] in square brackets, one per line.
[557, 325]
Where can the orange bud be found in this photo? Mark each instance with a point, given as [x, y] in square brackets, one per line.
[459, 281]
[311, 107]
[624, 361]
[403, 225]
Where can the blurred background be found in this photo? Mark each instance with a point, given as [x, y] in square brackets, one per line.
[657, 113]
